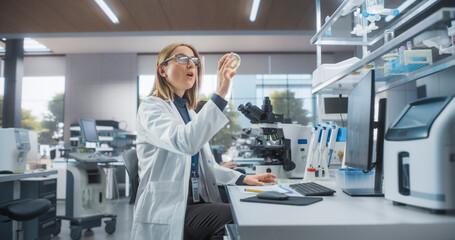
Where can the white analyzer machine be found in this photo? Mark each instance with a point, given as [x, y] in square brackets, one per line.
[419, 155]
[14, 147]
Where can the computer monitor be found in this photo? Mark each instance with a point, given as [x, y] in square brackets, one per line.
[360, 133]
[88, 129]
[333, 108]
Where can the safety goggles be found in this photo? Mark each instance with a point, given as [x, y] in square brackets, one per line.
[183, 59]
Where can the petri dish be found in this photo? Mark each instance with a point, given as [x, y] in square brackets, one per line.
[236, 63]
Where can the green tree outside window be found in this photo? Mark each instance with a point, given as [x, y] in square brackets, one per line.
[284, 102]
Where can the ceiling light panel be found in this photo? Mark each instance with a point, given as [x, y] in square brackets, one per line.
[108, 11]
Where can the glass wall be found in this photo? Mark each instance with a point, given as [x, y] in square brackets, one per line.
[43, 111]
[42, 114]
[290, 94]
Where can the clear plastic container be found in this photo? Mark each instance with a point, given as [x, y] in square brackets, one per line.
[311, 174]
[374, 6]
[349, 178]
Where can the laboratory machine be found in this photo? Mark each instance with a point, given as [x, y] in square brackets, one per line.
[14, 148]
[419, 151]
[332, 108]
[283, 146]
[86, 189]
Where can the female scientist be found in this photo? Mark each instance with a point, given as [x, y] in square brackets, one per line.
[178, 195]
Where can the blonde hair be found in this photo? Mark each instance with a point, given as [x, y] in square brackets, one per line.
[163, 89]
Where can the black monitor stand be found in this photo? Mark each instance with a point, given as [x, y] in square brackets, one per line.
[377, 190]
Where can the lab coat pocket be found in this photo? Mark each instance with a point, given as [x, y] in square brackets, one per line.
[157, 203]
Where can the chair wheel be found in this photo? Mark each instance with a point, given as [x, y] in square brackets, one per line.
[58, 226]
[76, 232]
[110, 226]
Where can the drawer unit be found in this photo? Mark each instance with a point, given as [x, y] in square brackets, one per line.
[42, 227]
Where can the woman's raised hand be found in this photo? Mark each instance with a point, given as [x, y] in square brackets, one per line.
[224, 74]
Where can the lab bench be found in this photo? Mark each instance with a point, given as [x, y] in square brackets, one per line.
[336, 217]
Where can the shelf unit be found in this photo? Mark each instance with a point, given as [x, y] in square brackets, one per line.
[116, 139]
[420, 17]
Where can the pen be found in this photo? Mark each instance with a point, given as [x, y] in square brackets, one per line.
[254, 190]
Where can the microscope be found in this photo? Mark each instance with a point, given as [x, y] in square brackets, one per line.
[283, 146]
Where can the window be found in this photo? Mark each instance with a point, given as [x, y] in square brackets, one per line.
[42, 108]
[145, 86]
[290, 95]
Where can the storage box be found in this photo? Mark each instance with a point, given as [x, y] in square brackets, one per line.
[409, 61]
[348, 178]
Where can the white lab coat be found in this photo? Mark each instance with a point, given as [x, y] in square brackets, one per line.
[164, 148]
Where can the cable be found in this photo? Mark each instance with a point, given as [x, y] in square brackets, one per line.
[341, 103]
[369, 170]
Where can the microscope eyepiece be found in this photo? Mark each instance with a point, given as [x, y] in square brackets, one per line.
[257, 115]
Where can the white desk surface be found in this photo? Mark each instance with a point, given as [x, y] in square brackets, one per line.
[338, 217]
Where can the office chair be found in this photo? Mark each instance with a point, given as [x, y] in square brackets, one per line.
[131, 161]
[24, 210]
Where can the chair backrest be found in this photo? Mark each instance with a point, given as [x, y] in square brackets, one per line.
[131, 161]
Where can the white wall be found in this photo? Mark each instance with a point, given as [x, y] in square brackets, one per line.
[102, 87]
[36, 66]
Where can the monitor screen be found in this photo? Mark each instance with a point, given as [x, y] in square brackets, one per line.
[332, 108]
[359, 142]
[334, 105]
[420, 115]
[88, 129]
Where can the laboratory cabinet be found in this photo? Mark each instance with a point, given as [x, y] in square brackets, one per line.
[42, 227]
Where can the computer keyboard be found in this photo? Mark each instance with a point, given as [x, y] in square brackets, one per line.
[90, 157]
[312, 189]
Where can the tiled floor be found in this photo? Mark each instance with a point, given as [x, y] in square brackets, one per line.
[120, 207]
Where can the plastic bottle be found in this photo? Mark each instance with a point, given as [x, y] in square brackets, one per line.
[311, 174]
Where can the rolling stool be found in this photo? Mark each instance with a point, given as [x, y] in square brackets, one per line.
[24, 210]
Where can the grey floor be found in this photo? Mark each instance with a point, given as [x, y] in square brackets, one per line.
[119, 207]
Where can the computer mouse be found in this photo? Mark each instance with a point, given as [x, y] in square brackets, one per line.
[272, 195]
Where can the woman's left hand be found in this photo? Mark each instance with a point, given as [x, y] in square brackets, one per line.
[259, 180]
